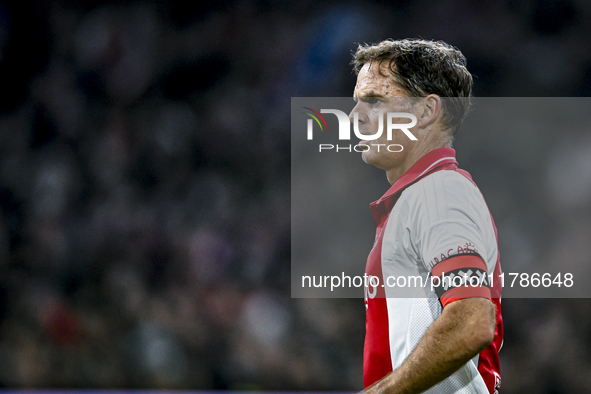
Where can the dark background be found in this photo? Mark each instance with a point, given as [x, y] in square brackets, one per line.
[145, 187]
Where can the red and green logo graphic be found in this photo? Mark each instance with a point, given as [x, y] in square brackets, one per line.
[314, 116]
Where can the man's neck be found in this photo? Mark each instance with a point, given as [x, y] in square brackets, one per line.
[395, 173]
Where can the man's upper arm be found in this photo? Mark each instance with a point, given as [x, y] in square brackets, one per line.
[455, 237]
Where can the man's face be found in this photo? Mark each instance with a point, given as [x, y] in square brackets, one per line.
[377, 95]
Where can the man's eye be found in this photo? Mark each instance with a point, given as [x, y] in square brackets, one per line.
[372, 100]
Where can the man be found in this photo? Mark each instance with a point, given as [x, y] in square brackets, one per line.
[433, 222]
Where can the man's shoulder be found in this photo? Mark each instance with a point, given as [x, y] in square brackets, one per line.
[442, 195]
[439, 184]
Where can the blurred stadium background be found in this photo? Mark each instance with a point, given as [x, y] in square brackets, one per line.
[145, 187]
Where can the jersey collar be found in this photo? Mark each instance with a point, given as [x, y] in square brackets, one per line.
[438, 159]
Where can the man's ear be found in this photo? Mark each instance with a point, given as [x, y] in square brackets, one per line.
[431, 109]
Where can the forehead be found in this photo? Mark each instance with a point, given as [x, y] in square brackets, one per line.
[370, 81]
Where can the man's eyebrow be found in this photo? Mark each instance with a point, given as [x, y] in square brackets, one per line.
[371, 93]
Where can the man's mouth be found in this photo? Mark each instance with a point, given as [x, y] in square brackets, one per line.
[364, 141]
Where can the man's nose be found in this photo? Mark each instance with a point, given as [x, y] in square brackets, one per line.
[356, 109]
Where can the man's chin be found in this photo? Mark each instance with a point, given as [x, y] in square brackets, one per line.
[366, 157]
[373, 160]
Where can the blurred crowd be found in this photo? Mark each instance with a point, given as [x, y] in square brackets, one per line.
[145, 187]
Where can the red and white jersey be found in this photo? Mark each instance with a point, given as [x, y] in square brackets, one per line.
[433, 221]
